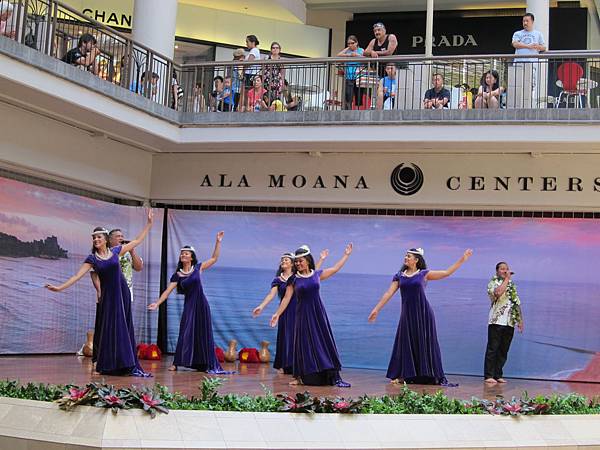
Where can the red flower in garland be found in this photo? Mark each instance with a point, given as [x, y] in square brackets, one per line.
[148, 400]
[512, 408]
[77, 394]
[112, 400]
[341, 405]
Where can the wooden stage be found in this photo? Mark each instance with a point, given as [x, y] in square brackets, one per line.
[250, 378]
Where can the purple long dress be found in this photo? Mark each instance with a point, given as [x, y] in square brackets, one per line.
[116, 352]
[416, 356]
[284, 351]
[195, 345]
[316, 359]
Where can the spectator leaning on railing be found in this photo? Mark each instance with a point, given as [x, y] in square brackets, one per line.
[383, 45]
[352, 92]
[84, 55]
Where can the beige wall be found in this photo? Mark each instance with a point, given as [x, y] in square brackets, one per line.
[336, 20]
[37, 145]
[552, 182]
[230, 28]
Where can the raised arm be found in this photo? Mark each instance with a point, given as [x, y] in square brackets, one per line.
[140, 237]
[163, 297]
[85, 268]
[216, 252]
[500, 290]
[324, 254]
[387, 295]
[439, 274]
[272, 293]
[338, 265]
[289, 291]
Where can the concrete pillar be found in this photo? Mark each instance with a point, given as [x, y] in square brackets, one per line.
[154, 25]
[429, 30]
[541, 10]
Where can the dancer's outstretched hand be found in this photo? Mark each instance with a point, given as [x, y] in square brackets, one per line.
[52, 288]
[256, 311]
[274, 320]
[150, 215]
[467, 254]
[220, 235]
[324, 253]
[348, 249]
[153, 306]
[373, 315]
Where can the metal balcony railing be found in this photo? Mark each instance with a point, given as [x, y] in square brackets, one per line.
[550, 80]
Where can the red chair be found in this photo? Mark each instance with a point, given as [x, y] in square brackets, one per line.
[569, 73]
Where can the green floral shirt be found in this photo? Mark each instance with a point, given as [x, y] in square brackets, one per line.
[126, 262]
[505, 310]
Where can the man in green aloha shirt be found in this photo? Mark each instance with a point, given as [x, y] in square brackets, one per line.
[505, 313]
[129, 262]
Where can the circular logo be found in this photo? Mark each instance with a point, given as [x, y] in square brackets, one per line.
[407, 179]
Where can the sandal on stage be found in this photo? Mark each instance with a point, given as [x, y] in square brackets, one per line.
[172, 368]
[296, 382]
[397, 381]
[140, 373]
[342, 384]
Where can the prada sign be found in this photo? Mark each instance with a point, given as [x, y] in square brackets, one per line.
[557, 181]
[469, 32]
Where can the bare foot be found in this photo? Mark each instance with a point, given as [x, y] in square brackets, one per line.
[172, 368]
[397, 381]
[490, 381]
[501, 380]
[296, 382]
[280, 371]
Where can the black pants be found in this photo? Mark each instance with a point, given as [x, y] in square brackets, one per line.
[499, 339]
[352, 92]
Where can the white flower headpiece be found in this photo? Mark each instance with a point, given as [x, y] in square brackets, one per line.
[302, 251]
[288, 255]
[187, 249]
[416, 251]
[102, 231]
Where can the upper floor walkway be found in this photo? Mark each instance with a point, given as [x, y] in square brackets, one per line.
[137, 95]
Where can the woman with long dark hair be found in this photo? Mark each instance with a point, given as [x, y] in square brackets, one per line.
[416, 356]
[316, 359]
[116, 353]
[488, 95]
[195, 344]
[284, 350]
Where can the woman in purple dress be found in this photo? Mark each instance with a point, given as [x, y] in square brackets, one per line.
[284, 351]
[416, 357]
[116, 353]
[195, 345]
[316, 359]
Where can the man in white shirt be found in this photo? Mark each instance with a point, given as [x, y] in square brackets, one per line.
[528, 41]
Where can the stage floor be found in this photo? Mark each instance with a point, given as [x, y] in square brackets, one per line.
[255, 378]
